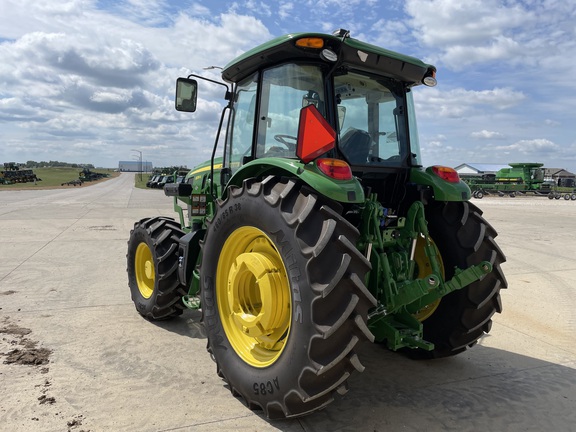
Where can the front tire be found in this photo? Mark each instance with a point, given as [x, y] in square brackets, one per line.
[464, 238]
[283, 299]
[153, 268]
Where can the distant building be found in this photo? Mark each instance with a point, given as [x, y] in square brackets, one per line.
[479, 168]
[135, 166]
[560, 177]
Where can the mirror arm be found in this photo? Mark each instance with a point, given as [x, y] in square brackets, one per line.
[228, 95]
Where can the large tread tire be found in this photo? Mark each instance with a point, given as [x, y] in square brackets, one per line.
[153, 242]
[464, 238]
[329, 301]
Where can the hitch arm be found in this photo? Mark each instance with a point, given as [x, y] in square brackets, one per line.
[461, 279]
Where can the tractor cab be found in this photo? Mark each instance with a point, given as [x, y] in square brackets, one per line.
[359, 93]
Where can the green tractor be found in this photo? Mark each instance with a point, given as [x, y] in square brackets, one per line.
[314, 227]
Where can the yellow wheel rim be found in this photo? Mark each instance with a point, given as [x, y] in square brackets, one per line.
[144, 269]
[424, 269]
[253, 296]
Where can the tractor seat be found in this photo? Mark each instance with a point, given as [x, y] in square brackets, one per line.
[355, 144]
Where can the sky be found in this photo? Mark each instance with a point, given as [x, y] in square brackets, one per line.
[88, 81]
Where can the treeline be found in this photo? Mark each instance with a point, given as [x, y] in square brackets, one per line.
[169, 170]
[54, 164]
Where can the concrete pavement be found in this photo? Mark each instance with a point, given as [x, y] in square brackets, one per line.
[63, 287]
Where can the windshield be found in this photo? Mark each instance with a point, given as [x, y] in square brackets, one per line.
[371, 122]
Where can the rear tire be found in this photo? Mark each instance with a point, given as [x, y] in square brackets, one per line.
[283, 299]
[153, 268]
[464, 238]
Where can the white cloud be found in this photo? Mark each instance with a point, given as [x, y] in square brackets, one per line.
[499, 47]
[109, 97]
[285, 10]
[390, 34]
[148, 12]
[516, 33]
[489, 135]
[457, 103]
[530, 147]
[473, 22]
[258, 7]
[197, 9]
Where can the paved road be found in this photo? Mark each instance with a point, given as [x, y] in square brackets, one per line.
[64, 299]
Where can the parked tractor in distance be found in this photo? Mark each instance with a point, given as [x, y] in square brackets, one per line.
[519, 179]
[86, 175]
[316, 227]
[153, 179]
[13, 174]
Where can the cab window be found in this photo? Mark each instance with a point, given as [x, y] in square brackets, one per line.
[240, 138]
[286, 89]
[371, 124]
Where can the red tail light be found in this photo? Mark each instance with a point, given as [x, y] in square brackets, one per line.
[445, 173]
[334, 168]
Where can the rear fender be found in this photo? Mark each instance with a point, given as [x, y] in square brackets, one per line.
[344, 191]
[442, 189]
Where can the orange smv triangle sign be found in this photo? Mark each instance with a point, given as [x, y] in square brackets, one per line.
[315, 135]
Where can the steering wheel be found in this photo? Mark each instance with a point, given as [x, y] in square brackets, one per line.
[282, 139]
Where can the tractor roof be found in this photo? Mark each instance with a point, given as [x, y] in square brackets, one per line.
[526, 165]
[350, 51]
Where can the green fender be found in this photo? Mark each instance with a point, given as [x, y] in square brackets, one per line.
[443, 190]
[344, 191]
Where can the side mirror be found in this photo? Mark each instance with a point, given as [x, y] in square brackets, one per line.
[186, 94]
